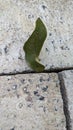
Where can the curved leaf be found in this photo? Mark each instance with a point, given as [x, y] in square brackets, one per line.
[33, 45]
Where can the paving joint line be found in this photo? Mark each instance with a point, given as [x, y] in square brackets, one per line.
[65, 102]
[57, 70]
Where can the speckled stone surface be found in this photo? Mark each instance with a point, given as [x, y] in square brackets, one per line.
[31, 102]
[17, 22]
[67, 88]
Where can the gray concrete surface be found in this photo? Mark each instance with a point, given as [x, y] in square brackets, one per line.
[36, 99]
[17, 22]
[31, 102]
[66, 78]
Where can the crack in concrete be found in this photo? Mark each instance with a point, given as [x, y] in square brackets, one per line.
[65, 102]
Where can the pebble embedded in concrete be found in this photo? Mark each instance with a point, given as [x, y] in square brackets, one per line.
[31, 102]
[17, 22]
[66, 78]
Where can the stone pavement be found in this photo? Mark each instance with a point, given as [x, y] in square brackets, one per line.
[31, 102]
[36, 101]
[17, 22]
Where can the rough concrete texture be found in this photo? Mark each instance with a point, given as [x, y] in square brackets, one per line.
[66, 78]
[17, 22]
[31, 102]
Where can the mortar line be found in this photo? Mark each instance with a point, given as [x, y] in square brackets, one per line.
[57, 70]
[65, 101]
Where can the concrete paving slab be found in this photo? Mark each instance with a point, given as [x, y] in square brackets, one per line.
[66, 78]
[31, 102]
[17, 22]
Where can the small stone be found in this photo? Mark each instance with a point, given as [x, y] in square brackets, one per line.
[14, 87]
[47, 49]
[35, 92]
[20, 105]
[25, 90]
[45, 88]
[50, 34]
[22, 81]
[41, 98]
[41, 79]
[44, 7]
[6, 49]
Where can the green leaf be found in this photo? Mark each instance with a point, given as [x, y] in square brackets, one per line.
[33, 46]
